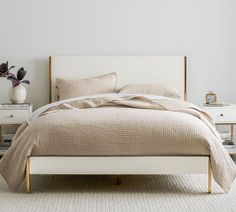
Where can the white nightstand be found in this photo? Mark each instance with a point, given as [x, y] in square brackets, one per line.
[12, 116]
[225, 115]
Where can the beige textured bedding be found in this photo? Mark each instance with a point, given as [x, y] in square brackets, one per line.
[118, 125]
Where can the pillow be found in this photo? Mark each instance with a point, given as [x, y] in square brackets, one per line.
[159, 89]
[70, 88]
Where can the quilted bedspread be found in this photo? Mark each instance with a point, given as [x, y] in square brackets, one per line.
[121, 125]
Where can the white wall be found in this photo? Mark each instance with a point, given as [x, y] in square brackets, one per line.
[204, 30]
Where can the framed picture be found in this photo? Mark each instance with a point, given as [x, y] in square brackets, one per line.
[211, 98]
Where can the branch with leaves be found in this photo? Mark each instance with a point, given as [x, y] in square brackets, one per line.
[15, 79]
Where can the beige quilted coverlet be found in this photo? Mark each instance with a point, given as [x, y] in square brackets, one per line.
[115, 125]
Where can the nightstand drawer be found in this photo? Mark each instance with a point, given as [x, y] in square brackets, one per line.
[13, 116]
[224, 115]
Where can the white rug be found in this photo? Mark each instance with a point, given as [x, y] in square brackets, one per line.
[99, 193]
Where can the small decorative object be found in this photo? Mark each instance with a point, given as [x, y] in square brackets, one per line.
[211, 97]
[17, 92]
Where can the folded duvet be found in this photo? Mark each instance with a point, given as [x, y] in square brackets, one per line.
[118, 125]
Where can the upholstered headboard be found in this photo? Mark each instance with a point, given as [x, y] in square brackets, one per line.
[129, 69]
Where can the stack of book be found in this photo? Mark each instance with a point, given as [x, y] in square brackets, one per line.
[14, 106]
[2, 152]
[6, 143]
[7, 139]
[231, 149]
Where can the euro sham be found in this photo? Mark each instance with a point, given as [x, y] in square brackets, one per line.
[71, 88]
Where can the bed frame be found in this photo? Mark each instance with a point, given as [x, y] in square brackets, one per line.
[172, 70]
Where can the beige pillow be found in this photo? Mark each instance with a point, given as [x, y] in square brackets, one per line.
[160, 89]
[70, 88]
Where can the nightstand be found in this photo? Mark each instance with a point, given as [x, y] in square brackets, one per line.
[225, 115]
[12, 116]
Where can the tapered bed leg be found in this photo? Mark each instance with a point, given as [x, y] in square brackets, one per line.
[209, 176]
[27, 176]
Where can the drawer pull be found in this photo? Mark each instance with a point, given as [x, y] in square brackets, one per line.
[11, 116]
[221, 114]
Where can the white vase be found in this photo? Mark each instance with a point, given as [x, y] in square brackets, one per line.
[17, 94]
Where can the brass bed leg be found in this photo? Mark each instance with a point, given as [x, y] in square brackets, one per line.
[118, 180]
[209, 176]
[27, 176]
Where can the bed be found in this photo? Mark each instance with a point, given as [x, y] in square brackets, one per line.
[145, 69]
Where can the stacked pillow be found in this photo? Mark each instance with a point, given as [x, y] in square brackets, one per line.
[159, 89]
[70, 88]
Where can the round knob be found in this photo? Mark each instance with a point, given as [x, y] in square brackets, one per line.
[11, 116]
[221, 114]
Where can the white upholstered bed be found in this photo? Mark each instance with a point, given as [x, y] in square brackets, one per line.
[129, 70]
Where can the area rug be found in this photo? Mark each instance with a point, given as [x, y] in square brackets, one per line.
[100, 193]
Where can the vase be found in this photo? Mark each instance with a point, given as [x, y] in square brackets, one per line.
[17, 94]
